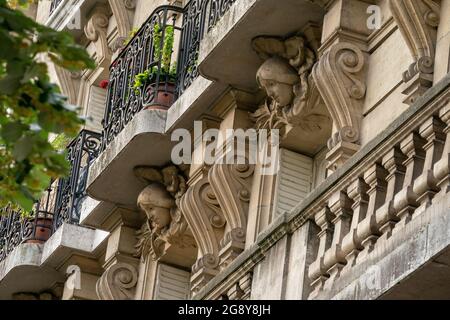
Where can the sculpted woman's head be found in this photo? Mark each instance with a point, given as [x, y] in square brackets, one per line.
[156, 202]
[278, 78]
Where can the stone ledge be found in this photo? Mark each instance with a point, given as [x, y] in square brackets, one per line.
[69, 239]
[111, 175]
[33, 267]
[192, 103]
[237, 28]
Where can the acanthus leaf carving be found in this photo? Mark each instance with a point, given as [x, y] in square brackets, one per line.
[117, 282]
[96, 31]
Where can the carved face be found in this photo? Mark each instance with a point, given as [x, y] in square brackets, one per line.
[156, 202]
[278, 78]
[159, 217]
[281, 93]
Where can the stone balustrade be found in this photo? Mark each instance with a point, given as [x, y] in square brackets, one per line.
[403, 178]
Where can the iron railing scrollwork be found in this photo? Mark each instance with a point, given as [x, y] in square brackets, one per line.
[217, 10]
[123, 102]
[54, 4]
[17, 228]
[82, 151]
[194, 19]
[56, 206]
[199, 16]
[141, 54]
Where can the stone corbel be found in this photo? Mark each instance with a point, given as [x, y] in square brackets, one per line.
[96, 31]
[340, 78]
[232, 186]
[418, 21]
[123, 11]
[204, 216]
[118, 282]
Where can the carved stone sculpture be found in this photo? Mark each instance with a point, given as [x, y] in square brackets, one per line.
[96, 31]
[418, 21]
[117, 282]
[160, 201]
[286, 77]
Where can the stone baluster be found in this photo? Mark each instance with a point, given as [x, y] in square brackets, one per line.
[405, 201]
[368, 230]
[442, 167]
[425, 186]
[334, 259]
[317, 271]
[385, 215]
[351, 244]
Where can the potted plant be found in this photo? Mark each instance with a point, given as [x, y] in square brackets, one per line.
[157, 84]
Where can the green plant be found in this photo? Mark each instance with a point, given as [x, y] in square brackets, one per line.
[163, 54]
[150, 74]
[131, 34]
[31, 106]
[60, 142]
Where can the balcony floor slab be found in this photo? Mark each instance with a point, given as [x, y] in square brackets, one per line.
[229, 42]
[141, 142]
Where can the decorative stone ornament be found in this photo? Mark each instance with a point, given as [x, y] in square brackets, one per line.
[418, 21]
[286, 78]
[117, 282]
[165, 223]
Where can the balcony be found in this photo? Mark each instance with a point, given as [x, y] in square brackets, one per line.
[16, 229]
[82, 151]
[50, 233]
[135, 120]
[229, 40]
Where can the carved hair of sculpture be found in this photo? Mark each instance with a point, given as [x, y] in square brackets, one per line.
[157, 203]
[285, 76]
[278, 78]
[160, 202]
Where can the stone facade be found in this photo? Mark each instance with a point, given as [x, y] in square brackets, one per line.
[358, 207]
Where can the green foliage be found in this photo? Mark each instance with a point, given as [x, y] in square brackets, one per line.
[60, 142]
[163, 52]
[130, 36]
[31, 107]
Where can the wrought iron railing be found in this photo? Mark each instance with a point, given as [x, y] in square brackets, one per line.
[199, 16]
[143, 53]
[17, 228]
[54, 4]
[59, 205]
[72, 190]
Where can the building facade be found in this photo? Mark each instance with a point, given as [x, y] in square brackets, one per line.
[355, 96]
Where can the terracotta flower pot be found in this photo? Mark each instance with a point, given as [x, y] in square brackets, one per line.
[43, 230]
[164, 97]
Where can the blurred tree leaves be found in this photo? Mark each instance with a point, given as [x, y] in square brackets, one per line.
[31, 107]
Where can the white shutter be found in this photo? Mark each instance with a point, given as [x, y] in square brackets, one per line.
[171, 283]
[293, 181]
[96, 108]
